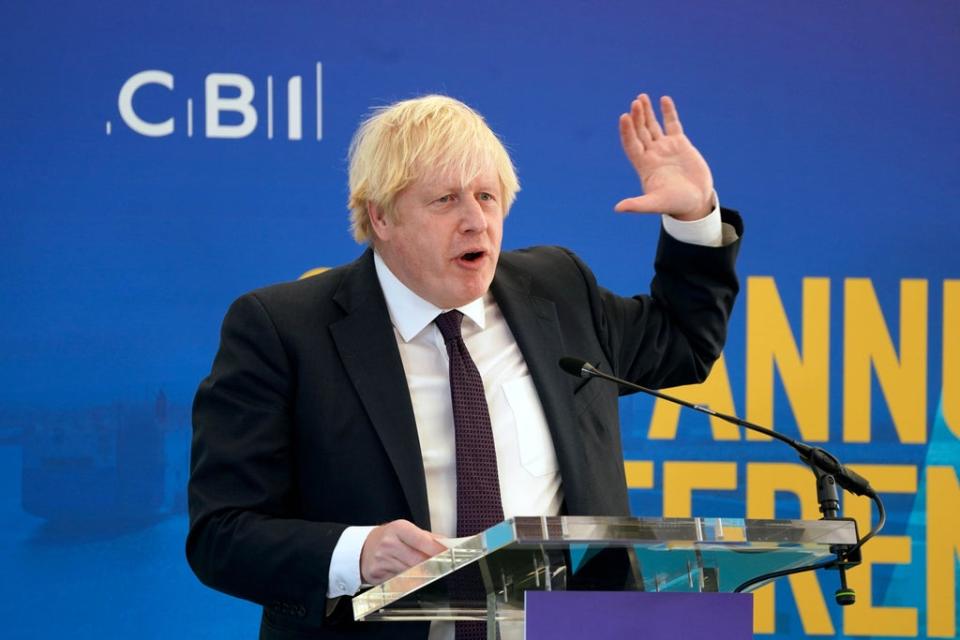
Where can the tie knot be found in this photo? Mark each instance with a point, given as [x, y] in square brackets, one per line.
[449, 325]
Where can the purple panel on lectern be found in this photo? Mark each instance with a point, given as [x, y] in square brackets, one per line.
[615, 615]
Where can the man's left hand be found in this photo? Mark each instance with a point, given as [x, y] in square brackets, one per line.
[675, 178]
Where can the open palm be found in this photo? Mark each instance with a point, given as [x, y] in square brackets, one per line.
[675, 178]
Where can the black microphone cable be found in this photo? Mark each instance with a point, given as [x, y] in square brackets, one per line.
[844, 595]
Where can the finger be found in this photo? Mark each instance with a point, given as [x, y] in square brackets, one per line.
[639, 123]
[628, 138]
[390, 567]
[671, 119]
[650, 203]
[383, 570]
[650, 118]
[403, 557]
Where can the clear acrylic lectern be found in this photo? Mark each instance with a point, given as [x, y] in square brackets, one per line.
[485, 577]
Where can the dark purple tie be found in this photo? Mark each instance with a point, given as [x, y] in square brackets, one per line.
[478, 485]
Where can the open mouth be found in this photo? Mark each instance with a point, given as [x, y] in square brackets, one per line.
[472, 256]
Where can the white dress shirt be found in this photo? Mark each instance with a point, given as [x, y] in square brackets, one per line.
[526, 460]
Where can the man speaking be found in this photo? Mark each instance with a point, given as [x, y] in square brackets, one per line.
[353, 419]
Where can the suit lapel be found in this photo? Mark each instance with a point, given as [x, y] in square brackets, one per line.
[536, 328]
[368, 349]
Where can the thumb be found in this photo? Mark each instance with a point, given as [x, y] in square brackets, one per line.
[423, 541]
[649, 203]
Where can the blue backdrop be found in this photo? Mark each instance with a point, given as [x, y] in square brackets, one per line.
[135, 206]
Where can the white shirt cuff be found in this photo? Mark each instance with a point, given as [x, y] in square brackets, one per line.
[707, 231]
[344, 578]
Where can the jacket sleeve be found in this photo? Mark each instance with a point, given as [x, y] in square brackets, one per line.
[673, 335]
[243, 539]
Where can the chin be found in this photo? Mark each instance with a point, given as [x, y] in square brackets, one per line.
[469, 293]
[480, 288]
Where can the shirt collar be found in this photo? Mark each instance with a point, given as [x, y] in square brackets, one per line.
[410, 313]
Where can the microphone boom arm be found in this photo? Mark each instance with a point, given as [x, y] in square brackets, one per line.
[826, 467]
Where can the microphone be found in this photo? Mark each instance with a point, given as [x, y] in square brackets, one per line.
[825, 467]
[813, 456]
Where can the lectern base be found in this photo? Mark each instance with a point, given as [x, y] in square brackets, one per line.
[606, 615]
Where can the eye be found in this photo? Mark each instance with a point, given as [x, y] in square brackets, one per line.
[486, 196]
[445, 199]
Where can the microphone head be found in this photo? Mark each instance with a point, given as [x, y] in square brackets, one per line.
[573, 366]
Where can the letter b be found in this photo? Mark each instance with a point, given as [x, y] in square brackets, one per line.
[215, 105]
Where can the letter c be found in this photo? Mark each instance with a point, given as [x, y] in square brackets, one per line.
[125, 103]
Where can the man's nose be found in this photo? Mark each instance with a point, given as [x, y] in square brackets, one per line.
[473, 218]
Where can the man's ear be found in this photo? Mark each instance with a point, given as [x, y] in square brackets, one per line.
[379, 223]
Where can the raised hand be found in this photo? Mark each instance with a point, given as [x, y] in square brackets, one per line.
[675, 178]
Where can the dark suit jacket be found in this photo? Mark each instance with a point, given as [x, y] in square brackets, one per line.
[305, 425]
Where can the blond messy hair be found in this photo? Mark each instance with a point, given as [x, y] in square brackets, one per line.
[397, 143]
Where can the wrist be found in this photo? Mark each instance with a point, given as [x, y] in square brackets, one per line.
[706, 208]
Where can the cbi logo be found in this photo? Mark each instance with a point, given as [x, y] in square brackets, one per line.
[230, 106]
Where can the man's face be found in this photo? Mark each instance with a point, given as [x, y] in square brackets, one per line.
[443, 241]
